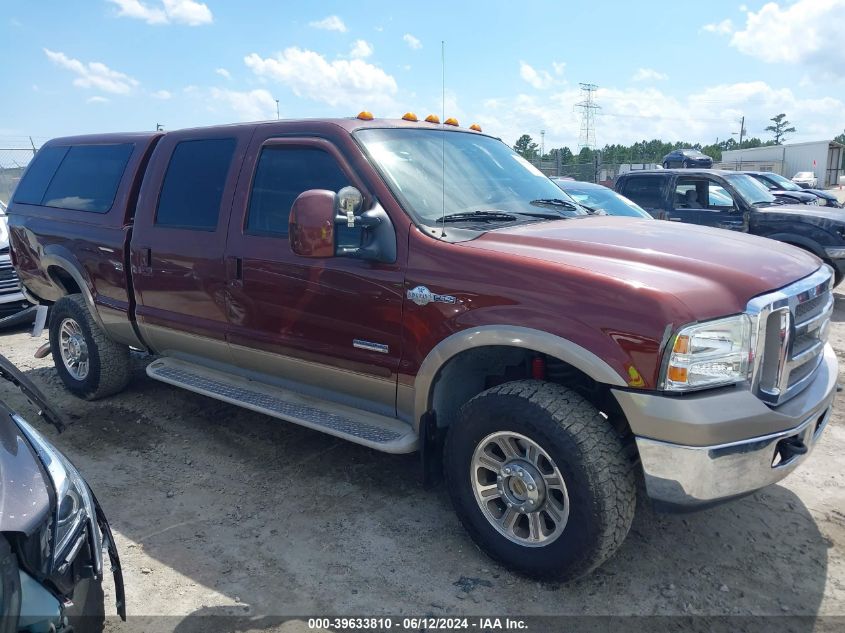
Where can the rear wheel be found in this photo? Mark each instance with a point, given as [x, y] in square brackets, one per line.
[90, 364]
[539, 479]
[686, 164]
[665, 164]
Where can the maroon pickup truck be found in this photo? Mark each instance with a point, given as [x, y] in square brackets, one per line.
[414, 286]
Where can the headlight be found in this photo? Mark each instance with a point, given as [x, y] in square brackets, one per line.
[74, 502]
[709, 354]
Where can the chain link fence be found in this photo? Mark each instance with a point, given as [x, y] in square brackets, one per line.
[13, 162]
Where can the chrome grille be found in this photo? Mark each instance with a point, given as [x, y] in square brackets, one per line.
[791, 333]
[9, 282]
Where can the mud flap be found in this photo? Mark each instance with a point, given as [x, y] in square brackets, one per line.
[431, 450]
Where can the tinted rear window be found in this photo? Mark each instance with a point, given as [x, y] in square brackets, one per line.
[88, 177]
[193, 186]
[81, 178]
[646, 191]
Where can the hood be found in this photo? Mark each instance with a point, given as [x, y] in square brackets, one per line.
[800, 195]
[713, 272]
[822, 194]
[809, 211]
[24, 497]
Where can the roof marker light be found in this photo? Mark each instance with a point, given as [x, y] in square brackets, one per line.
[365, 115]
[432, 118]
[410, 116]
[475, 127]
[451, 121]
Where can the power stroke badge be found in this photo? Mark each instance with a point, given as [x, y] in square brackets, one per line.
[422, 296]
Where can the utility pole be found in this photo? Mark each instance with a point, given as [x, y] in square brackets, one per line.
[542, 144]
[588, 116]
[159, 127]
[277, 109]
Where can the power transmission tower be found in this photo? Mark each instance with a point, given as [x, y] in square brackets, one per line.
[588, 109]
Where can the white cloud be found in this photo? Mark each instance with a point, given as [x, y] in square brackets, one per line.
[361, 49]
[308, 74]
[331, 23]
[539, 79]
[254, 105]
[559, 67]
[187, 12]
[649, 74]
[724, 27]
[96, 99]
[93, 74]
[164, 95]
[223, 73]
[806, 33]
[629, 115]
[412, 41]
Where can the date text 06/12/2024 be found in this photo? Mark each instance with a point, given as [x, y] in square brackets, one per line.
[417, 624]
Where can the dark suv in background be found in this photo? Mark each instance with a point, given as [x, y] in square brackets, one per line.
[783, 187]
[687, 158]
[736, 201]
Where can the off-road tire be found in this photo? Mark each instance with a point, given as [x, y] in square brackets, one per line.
[108, 371]
[589, 454]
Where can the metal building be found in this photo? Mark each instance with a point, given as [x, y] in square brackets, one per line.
[823, 158]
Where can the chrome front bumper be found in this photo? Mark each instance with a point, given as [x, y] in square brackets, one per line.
[698, 475]
[708, 447]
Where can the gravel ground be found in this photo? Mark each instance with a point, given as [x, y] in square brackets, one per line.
[220, 510]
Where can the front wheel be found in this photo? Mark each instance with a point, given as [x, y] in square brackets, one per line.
[665, 164]
[686, 164]
[90, 364]
[539, 479]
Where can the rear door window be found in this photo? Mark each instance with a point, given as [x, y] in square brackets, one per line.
[282, 174]
[646, 191]
[194, 183]
[80, 178]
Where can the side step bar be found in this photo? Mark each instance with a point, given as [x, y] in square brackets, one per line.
[369, 429]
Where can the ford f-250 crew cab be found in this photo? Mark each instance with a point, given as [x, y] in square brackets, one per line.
[416, 286]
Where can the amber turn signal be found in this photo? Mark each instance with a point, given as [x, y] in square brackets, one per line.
[451, 121]
[365, 115]
[432, 118]
[681, 345]
[677, 374]
[410, 116]
[475, 127]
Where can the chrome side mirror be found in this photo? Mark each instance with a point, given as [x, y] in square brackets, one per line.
[349, 203]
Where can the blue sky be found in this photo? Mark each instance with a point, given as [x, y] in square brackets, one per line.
[673, 70]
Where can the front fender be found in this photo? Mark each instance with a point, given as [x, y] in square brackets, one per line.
[510, 336]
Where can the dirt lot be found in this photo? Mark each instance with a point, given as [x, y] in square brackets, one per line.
[220, 510]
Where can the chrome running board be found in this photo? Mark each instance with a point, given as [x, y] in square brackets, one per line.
[368, 429]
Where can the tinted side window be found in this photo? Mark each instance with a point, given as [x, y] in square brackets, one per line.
[194, 182]
[646, 191]
[38, 175]
[282, 174]
[88, 178]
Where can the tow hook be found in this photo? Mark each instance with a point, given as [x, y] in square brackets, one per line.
[42, 351]
[789, 448]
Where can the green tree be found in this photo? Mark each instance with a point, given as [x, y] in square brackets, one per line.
[526, 147]
[780, 128]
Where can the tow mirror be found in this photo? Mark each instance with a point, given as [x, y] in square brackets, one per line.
[325, 224]
[311, 224]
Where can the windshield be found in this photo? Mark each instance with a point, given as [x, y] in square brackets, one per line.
[436, 173]
[604, 199]
[750, 189]
[784, 183]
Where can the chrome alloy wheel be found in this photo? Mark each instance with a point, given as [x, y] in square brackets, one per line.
[519, 489]
[73, 349]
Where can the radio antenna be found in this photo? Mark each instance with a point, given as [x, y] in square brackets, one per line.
[442, 133]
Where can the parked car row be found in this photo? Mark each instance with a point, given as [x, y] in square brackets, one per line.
[13, 304]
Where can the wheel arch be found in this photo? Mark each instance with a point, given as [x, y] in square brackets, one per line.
[68, 277]
[505, 343]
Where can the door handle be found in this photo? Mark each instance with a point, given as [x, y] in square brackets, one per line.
[145, 262]
[235, 271]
